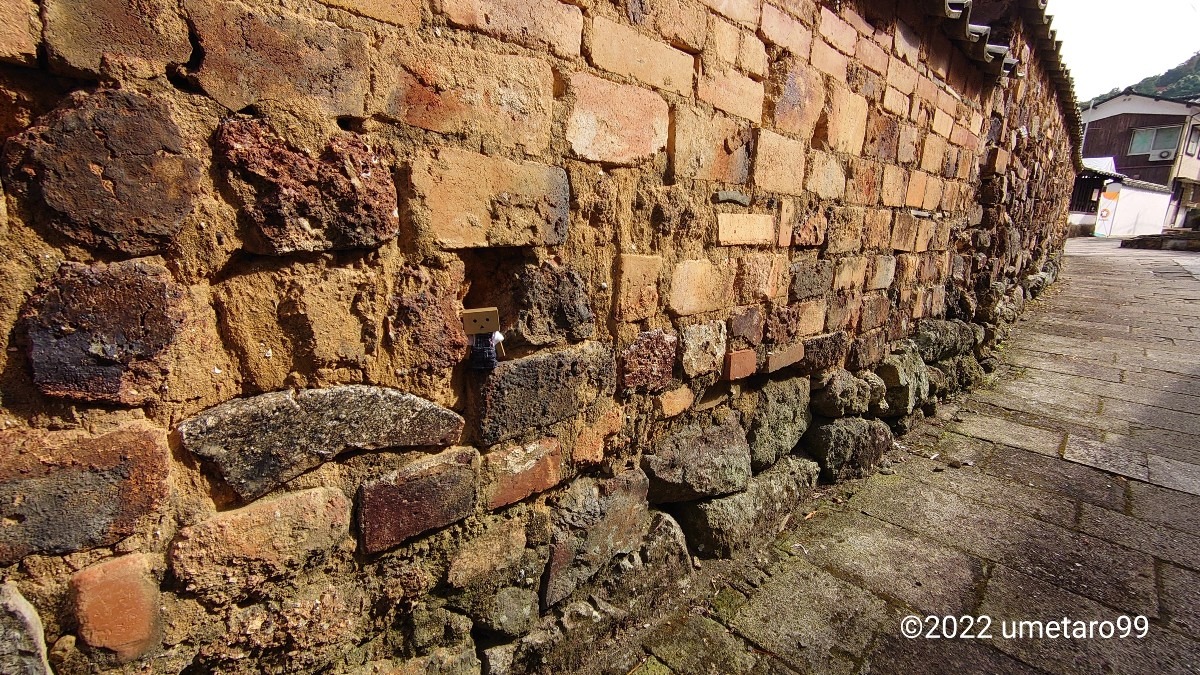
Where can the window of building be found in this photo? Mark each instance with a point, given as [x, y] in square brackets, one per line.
[1146, 141]
[1193, 143]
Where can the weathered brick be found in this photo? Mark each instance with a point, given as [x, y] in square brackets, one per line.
[778, 28]
[295, 431]
[925, 231]
[933, 193]
[843, 312]
[846, 121]
[745, 12]
[871, 55]
[637, 286]
[533, 23]
[710, 147]
[791, 322]
[20, 32]
[63, 491]
[850, 274]
[467, 200]
[116, 606]
[254, 54]
[453, 90]
[904, 232]
[704, 346]
[681, 23]
[511, 474]
[863, 182]
[779, 163]
[933, 156]
[615, 123]
[488, 555]
[917, 182]
[943, 123]
[838, 33]
[895, 185]
[895, 102]
[883, 137]
[427, 494]
[752, 56]
[845, 233]
[649, 362]
[746, 326]
[995, 162]
[910, 139]
[811, 278]
[232, 554]
[79, 32]
[343, 199]
[734, 93]
[111, 198]
[674, 402]
[624, 51]
[782, 358]
[787, 222]
[724, 42]
[882, 272]
[908, 43]
[740, 229]
[826, 177]
[822, 352]
[828, 60]
[591, 442]
[868, 350]
[541, 389]
[877, 230]
[901, 76]
[740, 364]
[699, 286]
[941, 239]
[875, 308]
[396, 12]
[801, 100]
[762, 277]
[811, 232]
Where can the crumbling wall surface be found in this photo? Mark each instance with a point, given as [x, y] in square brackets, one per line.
[733, 245]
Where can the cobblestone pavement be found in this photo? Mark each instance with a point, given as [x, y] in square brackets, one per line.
[1070, 489]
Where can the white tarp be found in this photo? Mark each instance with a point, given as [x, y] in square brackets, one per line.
[1127, 211]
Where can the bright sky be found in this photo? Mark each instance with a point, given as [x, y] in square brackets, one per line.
[1116, 43]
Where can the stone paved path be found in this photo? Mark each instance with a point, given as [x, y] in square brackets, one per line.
[1071, 488]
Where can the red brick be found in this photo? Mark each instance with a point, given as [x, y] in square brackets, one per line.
[710, 147]
[698, 286]
[533, 23]
[398, 12]
[425, 495]
[516, 472]
[674, 402]
[734, 93]
[927, 90]
[624, 51]
[470, 200]
[745, 12]
[801, 100]
[615, 123]
[828, 60]
[962, 137]
[850, 274]
[826, 177]
[453, 90]
[838, 33]
[637, 286]
[895, 185]
[590, 444]
[117, 606]
[20, 32]
[871, 55]
[902, 77]
[943, 123]
[779, 163]
[740, 364]
[741, 229]
[781, 29]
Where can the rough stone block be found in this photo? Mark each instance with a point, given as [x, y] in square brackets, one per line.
[703, 348]
[594, 521]
[734, 93]
[261, 442]
[22, 645]
[649, 363]
[826, 176]
[779, 163]
[230, 555]
[615, 123]
[723, 526]
[710, 147]
[906, 377]
[698, 286]
[451, 90]
[675, 402]
[801, 100]
[624, 51]
[697, 462]
[839, 394]
[745, 229]
[62, 492]
[552, 306]
[79, 33]
[425, 495]
[812, 278]
[532, 23]
[780, 419]
[111, 170]
[516, 472]
[117, 608]
[740, 364]
[486, 557]
[344, 199]
[20, 32]
[822, 352]
[256, 54]
[637, 286]
[541, 389]
[849, 447]
[468, 200]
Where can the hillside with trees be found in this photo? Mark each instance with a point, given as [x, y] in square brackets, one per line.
[1182, 81]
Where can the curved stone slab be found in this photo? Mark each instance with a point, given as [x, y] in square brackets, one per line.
[22, 647]
[261, 442]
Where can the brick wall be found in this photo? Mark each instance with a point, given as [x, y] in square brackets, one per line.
[734, 245]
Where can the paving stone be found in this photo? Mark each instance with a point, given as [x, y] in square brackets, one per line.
[1010, 433]
[1107, 457]
[1181, 599]
[1163, 506]
[675, 644]
[1162, 543]
[261, 442]
[22, 645]
[1012, 496]
[896, 655]
[1174, 474]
